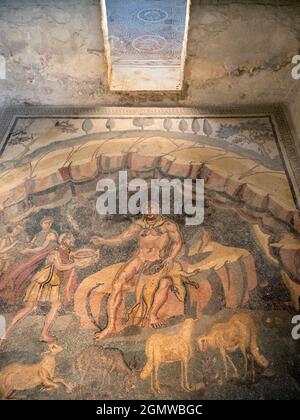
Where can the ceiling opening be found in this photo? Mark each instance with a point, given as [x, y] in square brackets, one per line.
[145, 43]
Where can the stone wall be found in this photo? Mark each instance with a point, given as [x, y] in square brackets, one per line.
[238, 53]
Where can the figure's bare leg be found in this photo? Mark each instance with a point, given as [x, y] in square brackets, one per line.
[160, 299]
[49, 321]
[122, 278]
[18, 317]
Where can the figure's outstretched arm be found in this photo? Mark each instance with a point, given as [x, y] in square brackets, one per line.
[4, 249]
[58, 264]
[176, 239]
[50, 237]
[130, 233]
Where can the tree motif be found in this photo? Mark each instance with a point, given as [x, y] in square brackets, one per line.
[207, 128]
[183, 126]
[87, 126]
[167, 124]
[195, 126]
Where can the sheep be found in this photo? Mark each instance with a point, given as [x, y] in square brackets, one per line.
[239, 332]
[161, 348]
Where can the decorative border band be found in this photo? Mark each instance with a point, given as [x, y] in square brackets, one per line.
[286, 141]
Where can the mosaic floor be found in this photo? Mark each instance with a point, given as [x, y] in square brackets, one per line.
[148, 307]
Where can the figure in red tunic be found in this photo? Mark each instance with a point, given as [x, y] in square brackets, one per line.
[54, 283]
